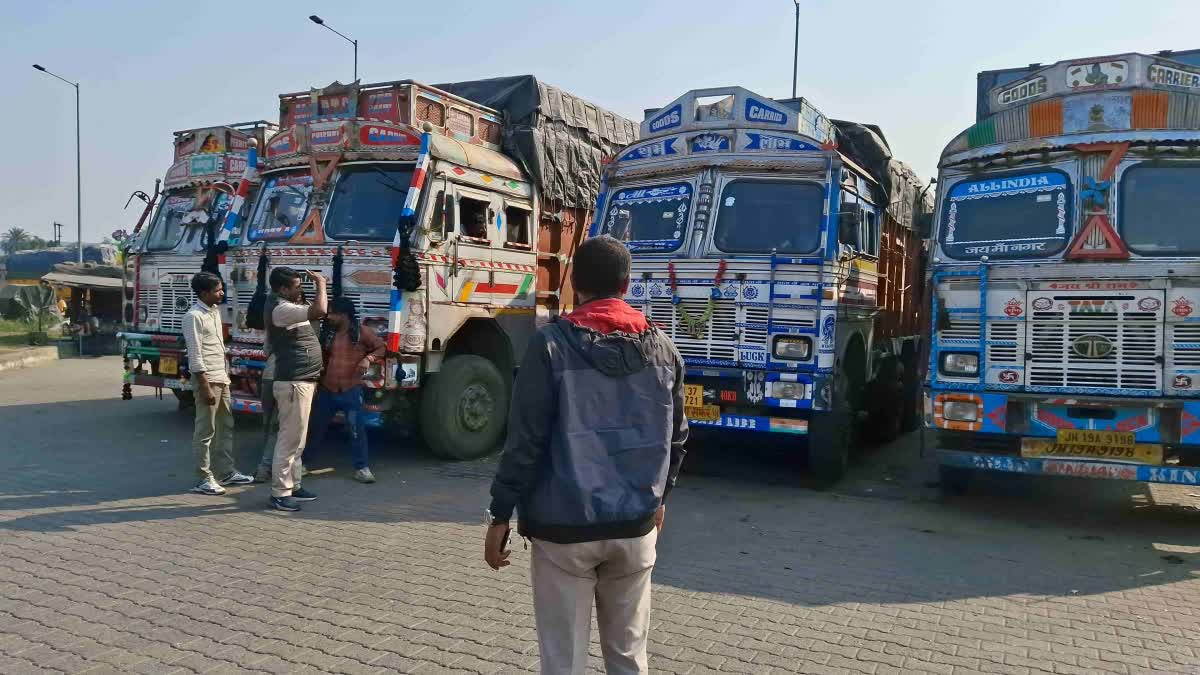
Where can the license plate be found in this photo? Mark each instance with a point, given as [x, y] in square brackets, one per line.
[693, 405]
[1140, 453]
[168, 365]
[703, 413]
[1120, 439]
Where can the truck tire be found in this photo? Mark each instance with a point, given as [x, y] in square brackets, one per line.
[832, 435]
[887, 402]
[464, 408]
[910, 419]
[953, 481]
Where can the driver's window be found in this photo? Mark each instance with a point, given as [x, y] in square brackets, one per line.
[849, 221]
[473, 217]
[871, 231]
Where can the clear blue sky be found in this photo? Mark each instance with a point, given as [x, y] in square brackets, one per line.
[149, 68]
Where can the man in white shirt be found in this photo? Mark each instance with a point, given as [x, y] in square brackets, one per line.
[213, 435]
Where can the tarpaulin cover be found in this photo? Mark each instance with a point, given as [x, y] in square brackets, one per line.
[903, 190]
[31, 265]
[559, 139]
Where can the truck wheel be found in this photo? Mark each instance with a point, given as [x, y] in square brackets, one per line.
[887, 402]
[953, 480]
[910, 419]
[832, 435]
[464, 408]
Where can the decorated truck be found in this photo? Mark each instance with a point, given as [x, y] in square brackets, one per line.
[180, 240]
[777, 248]
[1066, 275]
[448, 214]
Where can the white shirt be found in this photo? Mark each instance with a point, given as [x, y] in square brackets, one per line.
[204, 335]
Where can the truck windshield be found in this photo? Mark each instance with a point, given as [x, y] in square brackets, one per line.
[1013, 216]
[1159, 207]
[651, 217]
[760, 216]
[367, 202]
[167, 229]
[281, 208]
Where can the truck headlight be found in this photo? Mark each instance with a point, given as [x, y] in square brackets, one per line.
[792, 348]
[960, 364]
[960, 411]
[791, 390]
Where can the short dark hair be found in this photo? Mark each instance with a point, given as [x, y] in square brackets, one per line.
[281, 277]
[601, 267]
[205, 282]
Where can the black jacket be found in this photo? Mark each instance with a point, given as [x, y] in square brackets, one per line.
[596, 430]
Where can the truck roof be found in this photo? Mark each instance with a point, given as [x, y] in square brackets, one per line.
[209, 154]
[1120, 97]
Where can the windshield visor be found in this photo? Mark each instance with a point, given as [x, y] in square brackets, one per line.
[651, 218]
[282, 206]
[1160, 210]
[759, 216]
[367, 202]
[1015, 216]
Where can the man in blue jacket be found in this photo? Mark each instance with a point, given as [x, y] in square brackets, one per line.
[595, 441]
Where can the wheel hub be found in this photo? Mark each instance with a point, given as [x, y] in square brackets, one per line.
[475, 407]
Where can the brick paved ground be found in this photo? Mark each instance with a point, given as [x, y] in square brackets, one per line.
[108, 565]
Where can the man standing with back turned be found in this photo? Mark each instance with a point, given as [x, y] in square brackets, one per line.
[595, 440]
[297, 353]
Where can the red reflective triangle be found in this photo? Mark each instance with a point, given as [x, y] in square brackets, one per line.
[1098, 241]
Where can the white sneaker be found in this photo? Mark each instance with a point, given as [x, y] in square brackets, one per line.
[364, 475]
[237, 478]
[209, 487]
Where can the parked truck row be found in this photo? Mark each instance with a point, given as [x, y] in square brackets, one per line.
[1039, 303]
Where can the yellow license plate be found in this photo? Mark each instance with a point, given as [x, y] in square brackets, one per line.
[1141, 453]
[1120, 439]
[168, 365]
[703, 413]
[693, 396]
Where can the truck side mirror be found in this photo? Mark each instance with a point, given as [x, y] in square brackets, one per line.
[925, 225]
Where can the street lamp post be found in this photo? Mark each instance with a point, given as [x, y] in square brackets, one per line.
[321, 22]
[796, 51]
[78, 166]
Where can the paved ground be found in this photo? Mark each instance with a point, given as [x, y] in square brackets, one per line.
[108, 565]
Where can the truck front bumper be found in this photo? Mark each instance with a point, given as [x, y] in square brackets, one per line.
[749, 400]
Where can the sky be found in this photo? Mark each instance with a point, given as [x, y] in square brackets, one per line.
[149, 68]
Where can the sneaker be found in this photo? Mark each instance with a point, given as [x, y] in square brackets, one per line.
[364, 475]
[302, 495]
[285, 504]
[209, 487]
[262, 474]
[237, 478]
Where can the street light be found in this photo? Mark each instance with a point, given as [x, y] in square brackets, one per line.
[321, 22]
[796, 51]
[78, 166]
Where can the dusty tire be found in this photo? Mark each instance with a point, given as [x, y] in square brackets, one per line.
[953, 481]
[464, 408]
[832, 435]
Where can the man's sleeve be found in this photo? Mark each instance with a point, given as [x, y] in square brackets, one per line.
[531, 416]
[288, 314]
[191, 337]
[679, 426]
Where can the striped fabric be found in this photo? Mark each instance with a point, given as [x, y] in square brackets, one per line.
[407, 215]
[234, 215]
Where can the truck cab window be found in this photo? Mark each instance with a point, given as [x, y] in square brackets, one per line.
[871, 231]
[473, 214]
[516, 220]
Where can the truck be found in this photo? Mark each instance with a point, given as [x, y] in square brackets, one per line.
[180, 239]
[448, 214]
[1065, 281]
[778, 250]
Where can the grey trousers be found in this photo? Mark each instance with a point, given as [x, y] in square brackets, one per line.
[615, 573]
[212, 437]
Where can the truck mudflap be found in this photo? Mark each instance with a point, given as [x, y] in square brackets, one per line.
[1071, 467]
[748, 400]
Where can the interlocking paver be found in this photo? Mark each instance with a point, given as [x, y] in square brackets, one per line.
[108, 565]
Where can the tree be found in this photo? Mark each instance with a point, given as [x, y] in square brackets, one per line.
[14, 240]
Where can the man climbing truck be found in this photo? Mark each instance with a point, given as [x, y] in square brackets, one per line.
[1066, 275]
[448, 215]
[197, 193]
[777, 249]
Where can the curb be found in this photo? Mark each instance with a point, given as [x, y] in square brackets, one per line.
[27, 357]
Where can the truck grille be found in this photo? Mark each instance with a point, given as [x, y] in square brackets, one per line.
[718, 340]
[1057, 336]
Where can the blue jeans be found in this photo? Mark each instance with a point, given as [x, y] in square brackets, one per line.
[350, 402]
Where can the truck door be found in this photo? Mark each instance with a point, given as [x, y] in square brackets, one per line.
[472, 279]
